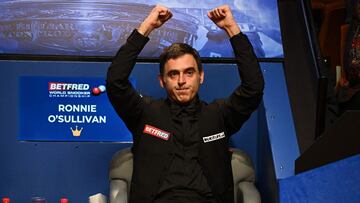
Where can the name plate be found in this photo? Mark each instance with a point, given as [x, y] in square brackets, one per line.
[68, 109]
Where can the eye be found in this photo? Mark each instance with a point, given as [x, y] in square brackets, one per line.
[190, 72]
[172, 74]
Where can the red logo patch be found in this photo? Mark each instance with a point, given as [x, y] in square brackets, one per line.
[148, 129]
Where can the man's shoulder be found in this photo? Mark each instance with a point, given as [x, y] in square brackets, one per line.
[214, 105]
[216, 102]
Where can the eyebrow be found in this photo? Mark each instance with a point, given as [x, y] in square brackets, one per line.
[190, 68]
[186, 69]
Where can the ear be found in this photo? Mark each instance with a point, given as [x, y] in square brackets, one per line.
[201, 76]
[161, 81]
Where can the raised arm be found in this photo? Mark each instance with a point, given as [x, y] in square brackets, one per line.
[246, 98]
[125, 100]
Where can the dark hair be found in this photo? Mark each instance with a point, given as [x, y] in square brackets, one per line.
[176, 50]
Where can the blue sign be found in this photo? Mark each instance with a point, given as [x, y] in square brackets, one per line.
[68, 109]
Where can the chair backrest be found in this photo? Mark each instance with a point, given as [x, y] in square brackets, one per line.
[120, 173]
[244, 178]
[242, 166]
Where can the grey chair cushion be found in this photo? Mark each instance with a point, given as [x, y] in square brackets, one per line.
[120, 173]
[118, 191]
[121, 167]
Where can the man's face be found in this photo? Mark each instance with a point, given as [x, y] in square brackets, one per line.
[181, 78]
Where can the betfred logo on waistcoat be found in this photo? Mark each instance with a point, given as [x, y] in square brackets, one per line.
[148, 129]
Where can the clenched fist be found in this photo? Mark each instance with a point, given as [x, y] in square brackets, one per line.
[157, 17]
[224, 19]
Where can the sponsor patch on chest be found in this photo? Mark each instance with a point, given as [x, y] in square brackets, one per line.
[151, 130]
[214, 137]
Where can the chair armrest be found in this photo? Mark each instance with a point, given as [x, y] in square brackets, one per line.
[247, 193]
[118, 191]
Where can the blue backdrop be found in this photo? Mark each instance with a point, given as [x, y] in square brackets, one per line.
[79, 169]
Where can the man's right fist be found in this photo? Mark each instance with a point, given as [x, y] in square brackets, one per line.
[157, 17]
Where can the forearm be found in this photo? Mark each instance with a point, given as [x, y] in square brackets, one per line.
[247, 96]
[124, 98]
[251, 77]
[252, 82]
[125, 59]
[145, 29]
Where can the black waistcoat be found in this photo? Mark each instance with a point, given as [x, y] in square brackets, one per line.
[152, 151]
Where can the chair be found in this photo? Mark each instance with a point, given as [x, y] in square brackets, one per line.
[120, 173]
[244, 178]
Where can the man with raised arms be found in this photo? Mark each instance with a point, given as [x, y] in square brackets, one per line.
[181, 143]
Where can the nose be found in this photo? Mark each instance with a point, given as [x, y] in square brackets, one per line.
[181, 79]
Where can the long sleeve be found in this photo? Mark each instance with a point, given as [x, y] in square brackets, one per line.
[247, 96]
[125, 99]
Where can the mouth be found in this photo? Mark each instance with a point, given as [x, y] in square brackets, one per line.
[182, 90]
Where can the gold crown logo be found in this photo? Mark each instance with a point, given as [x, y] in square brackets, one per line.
[76, 132]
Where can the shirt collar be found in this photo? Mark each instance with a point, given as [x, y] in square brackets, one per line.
[191, 108]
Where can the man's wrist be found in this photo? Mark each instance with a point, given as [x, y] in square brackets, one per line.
[144, 30]
[232, 30]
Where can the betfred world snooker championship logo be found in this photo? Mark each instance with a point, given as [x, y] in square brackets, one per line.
[75, 113]
[73, 90]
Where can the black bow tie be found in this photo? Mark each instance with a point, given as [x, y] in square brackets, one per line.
[178, 110]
